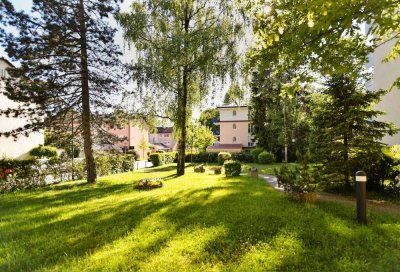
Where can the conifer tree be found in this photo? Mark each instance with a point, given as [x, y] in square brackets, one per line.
[68, 64]
[347, 132]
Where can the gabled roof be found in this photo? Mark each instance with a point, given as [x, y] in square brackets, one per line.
[7, 61]
[165, 129]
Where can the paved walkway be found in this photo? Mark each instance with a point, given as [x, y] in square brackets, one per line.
[376, 205]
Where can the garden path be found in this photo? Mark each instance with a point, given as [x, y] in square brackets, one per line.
[376, 205]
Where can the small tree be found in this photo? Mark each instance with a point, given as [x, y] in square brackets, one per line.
[143, 145]
[346, 130]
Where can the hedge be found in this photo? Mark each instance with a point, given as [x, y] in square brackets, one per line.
[44, 152]
[245, 157]
[25, 174]
[203, 157]
[232, 168]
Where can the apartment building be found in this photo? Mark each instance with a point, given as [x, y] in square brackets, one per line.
[163, 139]
[10, 147]
[130, 136]
[235, 129]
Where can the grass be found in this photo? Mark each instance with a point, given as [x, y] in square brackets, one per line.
[198, 222]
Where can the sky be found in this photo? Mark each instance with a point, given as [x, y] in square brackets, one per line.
[211, 101]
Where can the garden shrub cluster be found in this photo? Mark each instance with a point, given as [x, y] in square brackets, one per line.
[199, 169]
[266, 157]
[25, 174]
[223, 156]
[255, 152]
[44, 152]
[232, 168]
[148, 184]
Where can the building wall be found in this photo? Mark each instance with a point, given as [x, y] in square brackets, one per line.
[228, 133]
[9, 147]
[133, 136]
[163, 138]
[383, 77]
[226, 114]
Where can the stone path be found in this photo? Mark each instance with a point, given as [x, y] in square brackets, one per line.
[376, 205]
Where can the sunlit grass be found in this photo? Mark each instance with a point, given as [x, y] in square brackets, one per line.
[198, 222]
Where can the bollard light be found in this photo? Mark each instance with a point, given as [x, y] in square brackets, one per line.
[361, 195]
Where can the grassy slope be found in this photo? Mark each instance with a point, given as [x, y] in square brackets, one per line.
[199, 222]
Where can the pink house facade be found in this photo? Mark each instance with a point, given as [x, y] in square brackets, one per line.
[235, 129]
[130, 136]
[163, 139]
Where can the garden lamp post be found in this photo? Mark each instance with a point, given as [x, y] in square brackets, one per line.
[361, 194]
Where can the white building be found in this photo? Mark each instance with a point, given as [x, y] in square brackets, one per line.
[383, 77]
[9, 147]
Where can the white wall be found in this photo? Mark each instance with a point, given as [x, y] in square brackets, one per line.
[10, 147]
[384, 75]
[226, 114]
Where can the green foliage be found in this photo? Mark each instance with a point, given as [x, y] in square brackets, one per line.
[255, 152]
[266, 157]
[243, 156]
[170, 157]
[157, 159]
[223, 156]
[235, 95]
[209, 118]
[143, 145]
[44, 152]
[232, 168]
[181, 47]
[199, 137]
[203, 157]
[347, 129]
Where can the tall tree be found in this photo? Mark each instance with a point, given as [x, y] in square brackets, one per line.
[68, 63]
[345, 126]
[324, 35]
[235, 94]
[209, 118]
[182, 45]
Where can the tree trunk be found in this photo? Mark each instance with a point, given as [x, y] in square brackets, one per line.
[87, 135]
[182, 104]
[346, 162]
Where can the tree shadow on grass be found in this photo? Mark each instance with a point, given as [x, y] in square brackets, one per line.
[260, 229]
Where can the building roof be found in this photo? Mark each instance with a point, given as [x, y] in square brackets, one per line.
[7, 61]
[165, 129]
[225, 147]
[230, 106]
[161, 146]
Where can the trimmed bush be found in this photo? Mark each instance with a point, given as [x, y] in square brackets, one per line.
[245, 157]
[169, 157]
[266, 157]
[232, 168]
[44, 152]
[223, 156]
[157, 159]
[255, 152]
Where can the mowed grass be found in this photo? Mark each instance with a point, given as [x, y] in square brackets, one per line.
[198, 222]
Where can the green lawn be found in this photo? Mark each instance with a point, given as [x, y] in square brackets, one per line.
[199, 222]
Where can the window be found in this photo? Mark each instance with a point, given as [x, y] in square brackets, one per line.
[250, 129]
[234, 113]
[234, 126]
[234, 139]
[2, 72]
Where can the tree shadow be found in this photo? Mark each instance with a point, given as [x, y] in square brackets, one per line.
[249, 219]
